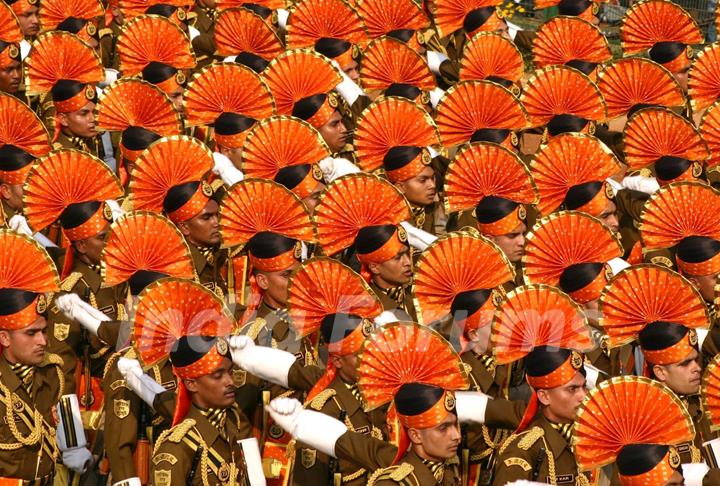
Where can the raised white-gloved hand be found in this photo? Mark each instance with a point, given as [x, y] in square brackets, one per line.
[470, 406]
[592, 375]
[19, 224]
[435, 59]
[282, 17]
[435, 96]
[617, 265]
[648, 185]
[315, 429]
[614, 185]
[332, 168]
[226, 170]
[129, 482]
[138, 381]
[385, 318]
[77, 459]
[348, 89]
[115, 209]
[111, 75]
[267, 364]
[693, 473]
[253, 461]
[80, 311]
[418, 238]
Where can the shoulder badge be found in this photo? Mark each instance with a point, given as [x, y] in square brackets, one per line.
[70, 281]
[319, 401]
[121, 408]
[308, 457]
[661, 260]
[61, 331]
[530, 437]
[164, 456]
[163, 477]
[517, 461]
[117, 384]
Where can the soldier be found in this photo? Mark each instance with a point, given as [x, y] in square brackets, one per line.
[548, 329]
[201, 448]
[32, 382]
[10, 62]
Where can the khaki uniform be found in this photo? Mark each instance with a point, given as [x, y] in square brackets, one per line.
[540, 454]
[194, 452]
[204, 44]
[27, 432]
[123, 412]
[209, 269]
[337, 401]
[692, 452]
[396, 299]
[413, 471]
[92, 146]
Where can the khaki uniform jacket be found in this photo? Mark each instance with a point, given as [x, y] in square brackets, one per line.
[195, 453]
[540, 450]
[411, 471]
[208, 269]
[389, 304]
[312, 467]
[27, 441]
[66, 337]
[123, 412]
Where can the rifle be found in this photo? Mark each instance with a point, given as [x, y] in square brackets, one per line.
[538, 463]
[193, 466]
[142, 447]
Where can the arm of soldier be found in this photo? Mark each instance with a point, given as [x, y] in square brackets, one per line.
[108, 332]
[65, 340]
[122, 407]
[303, 378]
[504, 414]
[515, 463]
[172, 463]
[631, 202]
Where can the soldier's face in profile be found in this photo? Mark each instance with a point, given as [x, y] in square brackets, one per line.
[334, 132]
[421, 189]
[214, 390]
[26, 346]
[440, 442]
[513, 243]
[561, 403]
[10, 77]
[683, 377]
[203, 229]
[396, 271]
[79, 123]
[275, 286]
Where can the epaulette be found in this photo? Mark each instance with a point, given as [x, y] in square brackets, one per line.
[319, 401]
[217, 183]
[126, 205]
[395, 473]
[530, 437]
[52, 359]
[103, 32]
[70, 281]
[254, 329]
[174, 434]
[113, 359]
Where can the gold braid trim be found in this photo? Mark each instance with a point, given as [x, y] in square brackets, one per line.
[112, 360]
[530, 437]
[174, 434]
[70, 281]
[551, 463]
[321, 399]
[372, 479]
[695, 455]
[255, 328]
[352, 477]
[35, 430]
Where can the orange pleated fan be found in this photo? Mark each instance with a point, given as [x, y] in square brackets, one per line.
[256, 205]
[133, 8]
[704, 77]
[144, 241]
[170, 309]
[642, 294]
[558, 90]
[680, 210]
[710, 131]
[656, 132]
[152, 38]
[20, 126]
[449, 15]
[651, 21]
[710, 392]
[473, 105]
[491, 54]
[538, 315]
[240, 30]
[9, 28]
[384, 16]
[132, 102]
[62, 178]
[312, 20]
[226, 88]
[278, 142]
[53, 12]
[627, 410]
[297, 74]
[271, 4]
[568, 160]
[353, 202]
[563, 39]
[323, 286]
[456, 263]
[564, 239]
[25, 265]
[634, 81]
[388, 61]
[398, 354]
[391, 122]
[60, 55]
[169, 162]
[486, 169]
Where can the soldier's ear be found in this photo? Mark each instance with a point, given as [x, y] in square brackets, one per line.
[262, 280]
[4, 191]
[659, 372]
[543, 397]
[63, 119]
[191, 385]
[414, 436]
[4, 339]
[374, 268]
[183, 227]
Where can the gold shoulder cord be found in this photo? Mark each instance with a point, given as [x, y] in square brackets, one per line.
[551, 463]
[36, 429]
[353, 476]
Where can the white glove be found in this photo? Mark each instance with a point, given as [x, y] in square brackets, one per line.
[80, 311]
[435, 96]
[332, 168]
[617, 265]
[193, 32]
[129, 482]
[470, 406]
[253, 462]
[614, 185]
[315, 429]
[433, 153]
[111, 75]
[348, 89]
[138, 381]
[592, 375]
[267, 364]
[226, 170]
[77, 459]
[282, 16]
[19, 224]
[115, 209]
[702, 334]
[694, 473]
[418, 238]
[435, 59]
[648, 185]
[385, 318]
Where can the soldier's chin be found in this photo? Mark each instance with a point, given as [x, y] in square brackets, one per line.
[37, 356]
